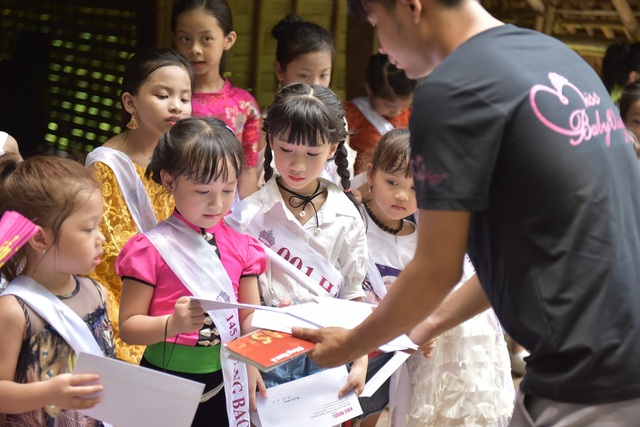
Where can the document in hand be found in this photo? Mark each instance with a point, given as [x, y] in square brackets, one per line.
[267, 349]
[309, 401]
[324, 313]
[137, 396]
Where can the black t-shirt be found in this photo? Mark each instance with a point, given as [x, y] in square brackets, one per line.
[517, 129]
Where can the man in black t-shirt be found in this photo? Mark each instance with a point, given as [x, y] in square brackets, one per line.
[520, 159]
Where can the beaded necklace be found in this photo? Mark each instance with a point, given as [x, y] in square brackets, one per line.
[383, 227]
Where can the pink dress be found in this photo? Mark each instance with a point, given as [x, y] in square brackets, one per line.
[240, 254]
[238, 109]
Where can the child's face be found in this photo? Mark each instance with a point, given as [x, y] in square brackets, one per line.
[393, 194]
[632, 118]
[300, 165]
[204, 205]
[79, 245]
[162, 100]
[391, 107]
[310, 68]
[201, 40]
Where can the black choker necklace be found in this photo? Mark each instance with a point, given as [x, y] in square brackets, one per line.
[379, 223]
[303, 200]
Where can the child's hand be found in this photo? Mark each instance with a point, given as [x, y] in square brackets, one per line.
[255, 383]
[188, 316]
[284, 302]
[429, 347]
[357, 377]
[68, 391]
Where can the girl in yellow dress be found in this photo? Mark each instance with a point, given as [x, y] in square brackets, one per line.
[156, 92]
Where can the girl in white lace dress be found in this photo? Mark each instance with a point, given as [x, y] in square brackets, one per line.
[467, 381]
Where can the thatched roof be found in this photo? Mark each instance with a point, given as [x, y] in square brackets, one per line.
[588, 26]
[578, 21]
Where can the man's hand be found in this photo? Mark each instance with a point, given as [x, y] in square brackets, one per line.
[335, 346]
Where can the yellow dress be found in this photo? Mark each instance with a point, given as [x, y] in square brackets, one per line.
[118, 227]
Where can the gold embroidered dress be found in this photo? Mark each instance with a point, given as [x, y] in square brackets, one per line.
[118, 227]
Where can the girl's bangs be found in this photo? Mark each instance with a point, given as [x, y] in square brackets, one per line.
[304, 124]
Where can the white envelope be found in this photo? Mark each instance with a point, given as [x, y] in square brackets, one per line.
[309, 401]
[139, 397]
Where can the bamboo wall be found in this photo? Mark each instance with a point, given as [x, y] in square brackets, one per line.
[61, 63]
[66, 99]
[251, 59]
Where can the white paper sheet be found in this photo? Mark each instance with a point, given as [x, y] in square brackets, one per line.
[323, 313]
[384, 373]
[210, 305]
[140, 397]
[326, 312]
[309, 401]
[278, 321]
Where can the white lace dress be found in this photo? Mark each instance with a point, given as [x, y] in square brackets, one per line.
[467, 381]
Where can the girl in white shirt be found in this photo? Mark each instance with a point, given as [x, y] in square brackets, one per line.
[306, 221]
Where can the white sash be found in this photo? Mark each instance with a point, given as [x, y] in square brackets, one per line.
[289, 253]
[133, 190]
[380, 123]
[63, 319]
[205, 277]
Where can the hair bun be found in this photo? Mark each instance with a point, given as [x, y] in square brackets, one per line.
[286, 25]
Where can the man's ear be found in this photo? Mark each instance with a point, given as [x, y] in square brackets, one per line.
[416, 8]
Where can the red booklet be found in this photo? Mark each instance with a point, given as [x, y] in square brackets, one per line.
[267, 349]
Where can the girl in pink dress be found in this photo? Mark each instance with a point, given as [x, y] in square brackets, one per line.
[194, 254]
[203, 33]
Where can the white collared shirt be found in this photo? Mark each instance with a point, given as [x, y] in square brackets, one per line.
[340, 237]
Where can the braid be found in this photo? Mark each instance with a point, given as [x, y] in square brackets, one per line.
[343, 171]
[268, 156]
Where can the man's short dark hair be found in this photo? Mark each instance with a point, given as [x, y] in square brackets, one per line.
[356, 7]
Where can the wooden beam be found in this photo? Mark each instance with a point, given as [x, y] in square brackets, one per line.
[537, 5]
[539, 23]
[626, 15]
[549, 19]
[163, 35]
[594, 45]
[583, 23]
[596, 13]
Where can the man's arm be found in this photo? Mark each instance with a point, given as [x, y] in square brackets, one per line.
[466, 302]
[419, 289]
